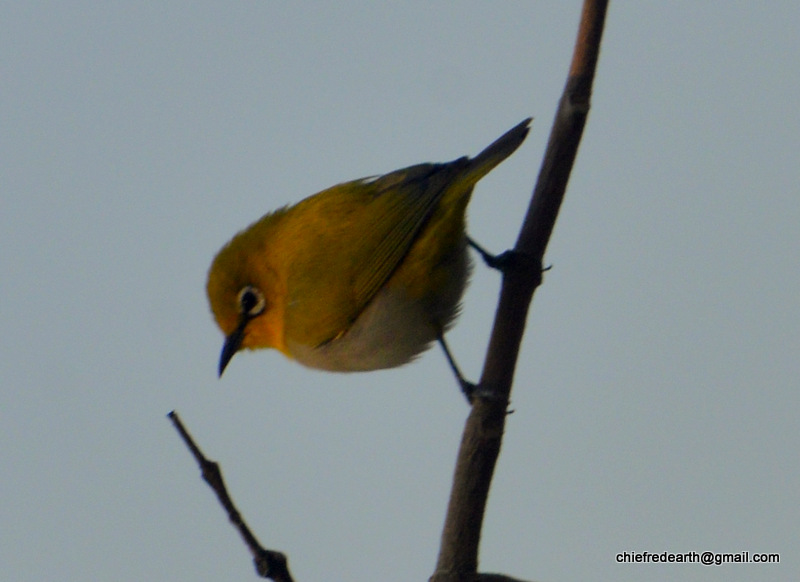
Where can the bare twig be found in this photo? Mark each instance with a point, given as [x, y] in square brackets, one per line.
[480, 444]
[269, 563]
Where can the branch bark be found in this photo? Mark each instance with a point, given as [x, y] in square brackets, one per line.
[483, 433]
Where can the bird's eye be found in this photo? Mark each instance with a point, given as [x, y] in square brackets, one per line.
[251, 301]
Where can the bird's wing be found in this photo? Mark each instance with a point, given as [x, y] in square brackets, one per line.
[389, 213]
[403, 201]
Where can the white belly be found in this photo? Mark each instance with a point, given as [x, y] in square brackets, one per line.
[391, 331]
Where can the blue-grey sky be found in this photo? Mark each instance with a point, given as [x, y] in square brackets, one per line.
[656, 400]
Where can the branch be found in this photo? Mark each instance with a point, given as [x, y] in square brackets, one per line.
[269, 563]
[483, 433]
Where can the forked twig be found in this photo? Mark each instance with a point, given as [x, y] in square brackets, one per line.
[268, 563]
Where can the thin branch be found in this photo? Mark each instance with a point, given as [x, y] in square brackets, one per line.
[480, 444]
[268, 563]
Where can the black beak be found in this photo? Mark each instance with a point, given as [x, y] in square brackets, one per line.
[232, 344]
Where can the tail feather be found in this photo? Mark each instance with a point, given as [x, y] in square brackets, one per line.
[498, 151]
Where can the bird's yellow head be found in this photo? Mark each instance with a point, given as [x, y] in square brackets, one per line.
[246, 292]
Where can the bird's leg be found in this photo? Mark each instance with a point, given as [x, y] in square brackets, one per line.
[470, 389]
[501, 262]
[507, 260]
[467, 387]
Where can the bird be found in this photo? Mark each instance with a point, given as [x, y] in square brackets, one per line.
[362, 276]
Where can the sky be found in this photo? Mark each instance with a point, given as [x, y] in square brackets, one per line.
[656, 399]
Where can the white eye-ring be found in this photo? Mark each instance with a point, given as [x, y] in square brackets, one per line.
[251, 301]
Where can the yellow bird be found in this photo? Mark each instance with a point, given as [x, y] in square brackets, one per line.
[362, 276]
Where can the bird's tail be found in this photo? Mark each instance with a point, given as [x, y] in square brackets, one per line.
[498, 151]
